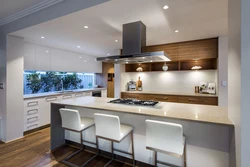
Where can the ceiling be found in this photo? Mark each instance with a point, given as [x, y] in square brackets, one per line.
[195, 19]
[9, 7]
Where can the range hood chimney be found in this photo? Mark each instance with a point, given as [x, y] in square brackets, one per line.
[134, 38]
[133, 47]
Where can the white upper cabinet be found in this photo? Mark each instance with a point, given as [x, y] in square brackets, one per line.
[38, 57]
[29, 56]
[43, 58]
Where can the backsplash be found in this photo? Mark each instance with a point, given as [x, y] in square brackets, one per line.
[171, 81]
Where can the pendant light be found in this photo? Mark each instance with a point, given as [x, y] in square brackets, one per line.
[165, 67]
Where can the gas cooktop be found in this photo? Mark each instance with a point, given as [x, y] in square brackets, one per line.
[136, 102]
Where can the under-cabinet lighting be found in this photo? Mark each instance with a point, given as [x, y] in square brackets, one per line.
[196, 68]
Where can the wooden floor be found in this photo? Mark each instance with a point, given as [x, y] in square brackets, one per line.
[33, 151]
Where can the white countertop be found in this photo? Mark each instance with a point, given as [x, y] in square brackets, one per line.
[190, 112]
[172, 93]
[37, 95]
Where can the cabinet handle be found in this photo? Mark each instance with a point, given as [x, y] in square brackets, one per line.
[32, 118]
[33, 103]
[165, 98]
[78, 95]
[192, 100]
[32, 126]
[29, 112]
[48, 99]
[67, 96]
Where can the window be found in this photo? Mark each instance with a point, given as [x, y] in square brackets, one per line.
[49, 81]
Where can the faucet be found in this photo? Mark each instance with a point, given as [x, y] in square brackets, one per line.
[62, 85]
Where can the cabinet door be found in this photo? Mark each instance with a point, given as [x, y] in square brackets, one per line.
[59, 61]
[200, 49]
[29, 56]
[43, 58]
[44, 109]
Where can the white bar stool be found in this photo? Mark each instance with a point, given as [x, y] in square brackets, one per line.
[108, 127]
[165, 138]
[72, 121]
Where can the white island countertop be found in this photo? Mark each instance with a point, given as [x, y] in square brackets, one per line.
[189, 112]
[173, 93]
[37, 95]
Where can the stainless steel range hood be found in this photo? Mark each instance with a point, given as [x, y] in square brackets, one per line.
[134, 44]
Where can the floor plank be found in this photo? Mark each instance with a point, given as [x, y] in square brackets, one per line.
[34, 151]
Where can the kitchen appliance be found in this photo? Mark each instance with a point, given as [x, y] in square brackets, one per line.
[196, 89]
[97, 93]
[131, 86]
[135, 102]
[133, 47]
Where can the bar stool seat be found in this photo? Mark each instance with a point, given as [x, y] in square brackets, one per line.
[86, 123]
[125, 130]
[72, 121]
[166, 138]
[108, 127]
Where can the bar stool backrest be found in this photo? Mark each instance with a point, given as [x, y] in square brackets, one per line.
[107, 126]
[164, 137]
[70, 119]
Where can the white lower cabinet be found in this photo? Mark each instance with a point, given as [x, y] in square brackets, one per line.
[37, 110]
[44, 109]
[31, 114]
[1, 126]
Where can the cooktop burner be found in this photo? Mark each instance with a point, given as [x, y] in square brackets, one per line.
[136, 102]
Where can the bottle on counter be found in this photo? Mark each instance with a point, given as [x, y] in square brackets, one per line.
[139, 84]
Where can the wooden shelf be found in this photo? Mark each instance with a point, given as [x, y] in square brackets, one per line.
[206, 64]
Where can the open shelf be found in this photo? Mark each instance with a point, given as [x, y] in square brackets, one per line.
[206, 64]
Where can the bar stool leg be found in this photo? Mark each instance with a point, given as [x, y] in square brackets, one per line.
[155, 159]
[133, 151]
[185, 156]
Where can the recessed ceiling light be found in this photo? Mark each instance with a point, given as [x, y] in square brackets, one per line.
[126, 62]
[78, 46]
[151, 60]
[47, 51]
[42, 37]
[80, 57]
[165, 7]
[176, 31]
[86, 27]
[116, 40]
[108, 54]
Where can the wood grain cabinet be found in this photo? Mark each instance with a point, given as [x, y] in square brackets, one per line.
[173, 98]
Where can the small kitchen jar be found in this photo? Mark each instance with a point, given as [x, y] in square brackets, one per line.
[196, 89]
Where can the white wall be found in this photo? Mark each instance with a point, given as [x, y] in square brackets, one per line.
[170, 81]
[245, 79]
[234, 77]
[14, 88]
[239, 79]
[223, 71]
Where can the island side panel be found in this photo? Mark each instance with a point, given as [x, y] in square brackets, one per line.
[57, 133]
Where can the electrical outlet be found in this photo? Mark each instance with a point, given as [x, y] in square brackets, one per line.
[1, 85]
[224, 83]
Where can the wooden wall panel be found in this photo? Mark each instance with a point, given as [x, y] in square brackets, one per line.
[200, 49]
[170, 49]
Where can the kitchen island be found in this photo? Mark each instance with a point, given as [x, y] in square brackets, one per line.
[207, 128]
